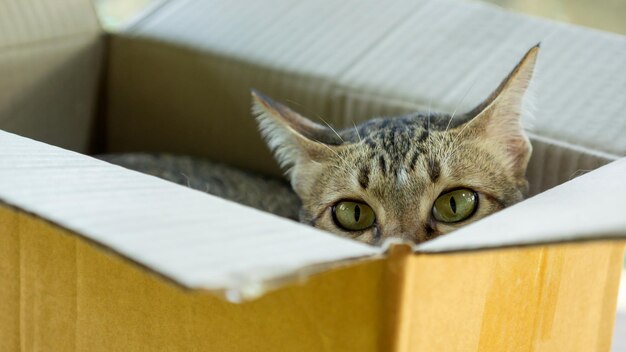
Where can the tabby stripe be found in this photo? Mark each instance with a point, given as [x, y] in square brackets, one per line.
[434, 169]
[383, 164]
[364, 177]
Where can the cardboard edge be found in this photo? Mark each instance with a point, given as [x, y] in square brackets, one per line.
[257, 290]
[151, 8]
[572, 147]
[581, 241]
[238, 294]
[398, 276]
[96, 244]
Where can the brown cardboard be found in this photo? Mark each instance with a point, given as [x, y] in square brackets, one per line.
[529, 298]
[198, 240]
[540, 298]
[94, 257]
[104, 303]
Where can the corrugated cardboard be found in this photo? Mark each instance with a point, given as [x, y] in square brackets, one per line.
[95, 257]
[51, 54]
[211, 244]
[540, 298]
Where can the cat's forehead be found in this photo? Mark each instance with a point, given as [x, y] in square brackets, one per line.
[395, 143]
[396, 157]
[402, 126]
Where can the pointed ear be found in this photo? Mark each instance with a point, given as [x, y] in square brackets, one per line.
[498, 118]
[294, 139]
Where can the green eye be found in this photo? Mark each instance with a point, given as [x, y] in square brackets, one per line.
[353, 216]
[455, 206]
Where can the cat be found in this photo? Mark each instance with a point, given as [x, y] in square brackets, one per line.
[412, 177]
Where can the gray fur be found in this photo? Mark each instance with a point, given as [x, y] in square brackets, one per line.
[264, 193]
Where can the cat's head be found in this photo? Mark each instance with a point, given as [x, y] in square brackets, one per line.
[412, 177]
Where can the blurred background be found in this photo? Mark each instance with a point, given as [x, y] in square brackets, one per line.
[606, 15]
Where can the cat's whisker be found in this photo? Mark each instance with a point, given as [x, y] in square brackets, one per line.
[461, 102]
[430, 144]
[187, 179]
[293, 102]
[577, 173]
[452, 147]
[331, 128]
[357, 131]
[329, 148]
[344, 162]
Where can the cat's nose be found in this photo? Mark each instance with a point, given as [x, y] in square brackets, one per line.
[423, 234]
[406, 231]
[408, 237]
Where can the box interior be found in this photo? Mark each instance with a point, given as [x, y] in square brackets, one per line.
[354, 72]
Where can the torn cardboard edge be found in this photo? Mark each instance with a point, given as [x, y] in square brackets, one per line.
[144, 238]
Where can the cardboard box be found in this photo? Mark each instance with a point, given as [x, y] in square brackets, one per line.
[94, 257]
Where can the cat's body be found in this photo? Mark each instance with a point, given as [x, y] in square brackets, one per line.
[412, 177]
[264, 193]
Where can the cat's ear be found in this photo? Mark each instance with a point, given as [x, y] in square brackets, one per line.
[294, 139]
[498, 118]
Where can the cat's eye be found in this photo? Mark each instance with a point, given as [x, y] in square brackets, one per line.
[455, 206]
[353, 216]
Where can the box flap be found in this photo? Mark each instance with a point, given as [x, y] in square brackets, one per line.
[204, 242]
[24, 22]
[321, 38]
[195, 239]
[50, 59]
[589, 207]
[451, 54]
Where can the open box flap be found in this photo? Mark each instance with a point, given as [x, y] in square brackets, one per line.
[195, 239]
[589, 207]
[452, 54]
[30, 22]
[204, 242]
[288, 35]
[379, 60]
[51, 54]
